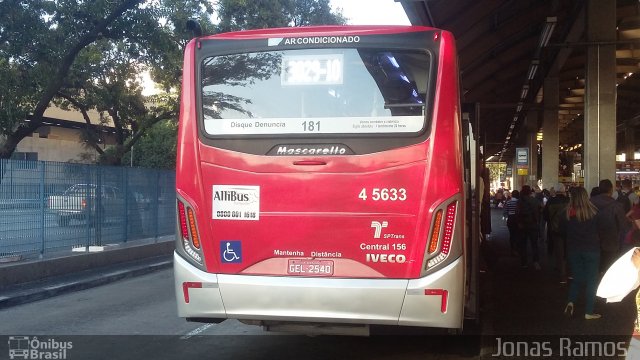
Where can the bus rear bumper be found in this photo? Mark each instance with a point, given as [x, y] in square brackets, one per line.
[435, 300]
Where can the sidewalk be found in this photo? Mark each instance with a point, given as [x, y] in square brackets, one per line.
[26, 281]
[526, 301]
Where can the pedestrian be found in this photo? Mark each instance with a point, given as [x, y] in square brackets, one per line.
[541, 197]
[632, 237]
[555, 208]
[580, 228]
[528, 216]
[626, 197]
[543, 233]
[613, 223]
[499, 198]
[595, 191]
[512, 224]
[634, 345]
[545, 218]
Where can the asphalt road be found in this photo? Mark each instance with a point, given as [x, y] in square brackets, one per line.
[137, 319]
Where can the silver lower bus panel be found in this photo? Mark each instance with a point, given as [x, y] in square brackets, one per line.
[435, 300]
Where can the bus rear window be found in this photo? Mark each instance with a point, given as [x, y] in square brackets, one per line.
[316, 91]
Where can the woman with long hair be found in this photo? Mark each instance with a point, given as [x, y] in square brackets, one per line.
[580, 227]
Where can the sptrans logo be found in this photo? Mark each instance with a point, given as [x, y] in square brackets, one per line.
[378, 228]
[25, 347]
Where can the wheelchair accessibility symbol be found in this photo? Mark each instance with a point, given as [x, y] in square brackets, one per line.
[231, 251]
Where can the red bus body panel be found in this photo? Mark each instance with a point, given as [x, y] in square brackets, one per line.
[323, 210]
[314, 211]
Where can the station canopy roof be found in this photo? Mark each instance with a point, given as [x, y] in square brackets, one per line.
[506, 49]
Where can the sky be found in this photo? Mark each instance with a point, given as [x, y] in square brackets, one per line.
[372, 12]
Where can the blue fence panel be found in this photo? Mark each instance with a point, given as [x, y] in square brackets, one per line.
[52, 206]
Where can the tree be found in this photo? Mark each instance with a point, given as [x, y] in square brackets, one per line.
[315, 12]
[86, 55]
[496, 170]
[37, 56]
[244, 14]
[113, 90]
[157, 148]
[238, 15]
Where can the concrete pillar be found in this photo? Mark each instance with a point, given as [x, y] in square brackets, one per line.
[518, 180]
[551, 137]
[531, 127]
[629, 139]
[600, 99]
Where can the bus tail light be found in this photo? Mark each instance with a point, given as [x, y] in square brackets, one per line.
[195, 239]
[183, 221]
[189, 237]
[442, 235]
[435, 234]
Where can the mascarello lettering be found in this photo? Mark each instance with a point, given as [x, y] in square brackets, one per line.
[329, 150]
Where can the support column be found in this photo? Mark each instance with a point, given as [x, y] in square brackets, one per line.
[599, 159]
[550, 132]
[531, 127]
[517, 179]
[629, 139]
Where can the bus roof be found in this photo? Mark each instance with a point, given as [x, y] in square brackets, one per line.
[328, 30]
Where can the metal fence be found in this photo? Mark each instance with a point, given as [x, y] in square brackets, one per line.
[50, 206]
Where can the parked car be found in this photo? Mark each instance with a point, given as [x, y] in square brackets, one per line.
[79, 202]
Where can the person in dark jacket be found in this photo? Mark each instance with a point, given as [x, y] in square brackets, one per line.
[512, 224]
[613, 220]
[528, 215]
[580, 226]
[555, 208]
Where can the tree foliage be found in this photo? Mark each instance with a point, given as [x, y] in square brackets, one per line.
[87, 55]
[237, 69]
[246, 14]
[496, 170]
[157, 148]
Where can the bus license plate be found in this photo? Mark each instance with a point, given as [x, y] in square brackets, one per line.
[310, 267]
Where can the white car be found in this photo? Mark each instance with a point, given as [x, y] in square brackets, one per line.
[79, 202]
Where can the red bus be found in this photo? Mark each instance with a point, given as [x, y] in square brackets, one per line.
[321, 180]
